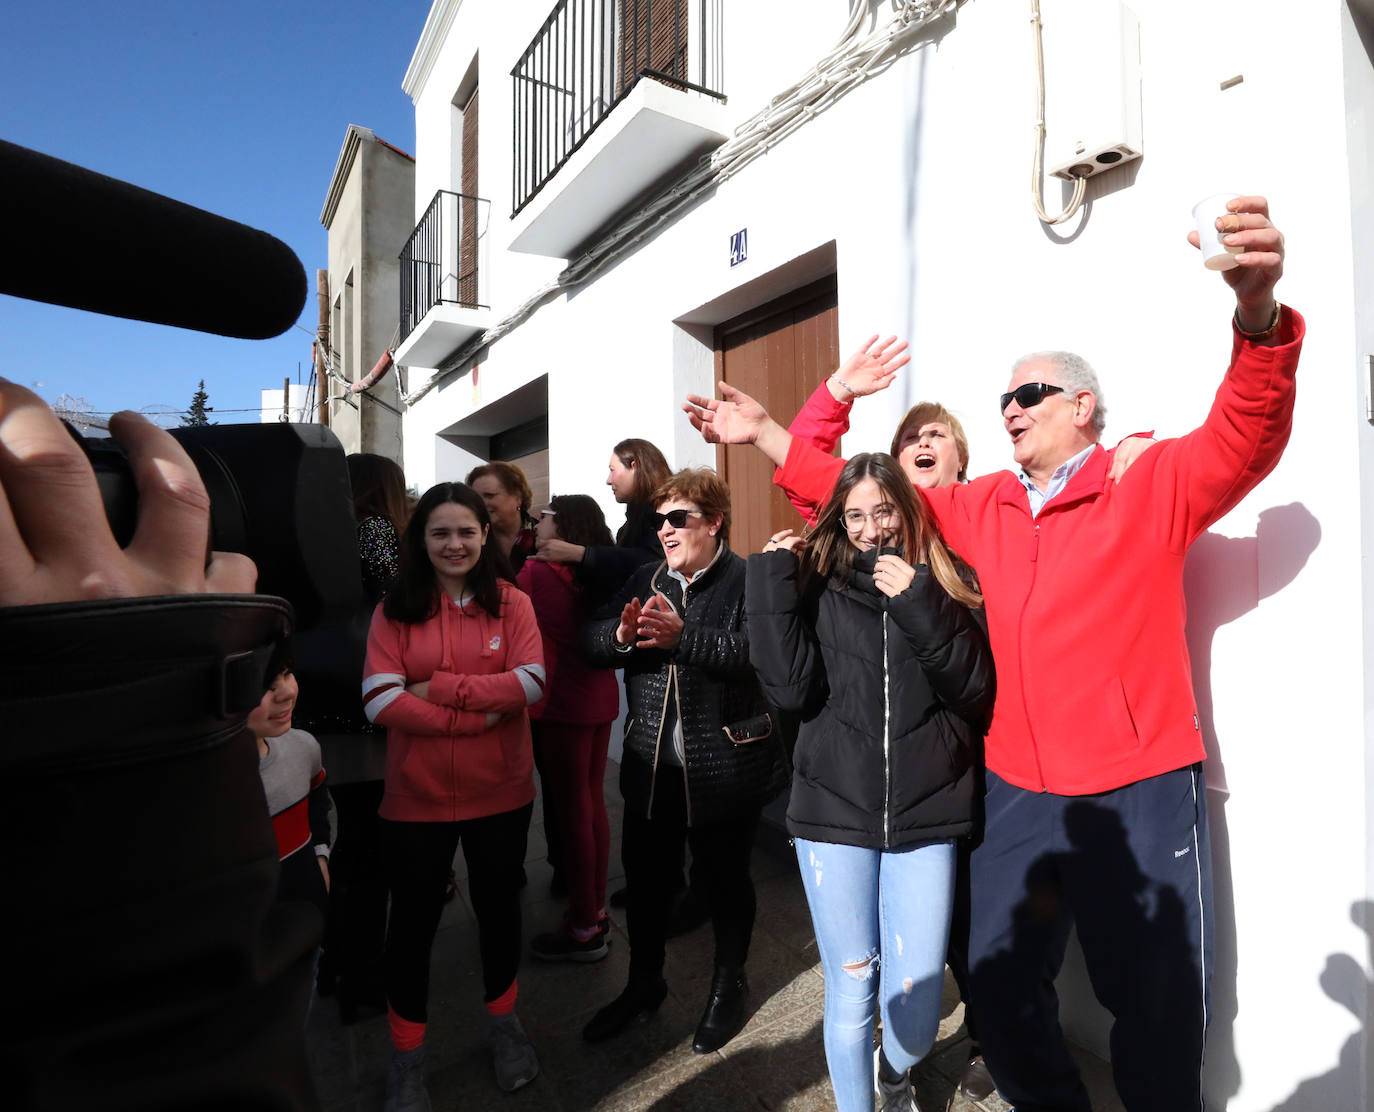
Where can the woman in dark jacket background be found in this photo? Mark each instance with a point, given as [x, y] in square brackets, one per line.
[701, 753]
[636, 470]
[354, 752]
[869, 636]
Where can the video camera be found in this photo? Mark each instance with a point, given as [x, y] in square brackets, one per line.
[279, 493]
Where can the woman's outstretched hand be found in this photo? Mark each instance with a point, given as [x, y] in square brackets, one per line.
[736, 418]
[870, 369]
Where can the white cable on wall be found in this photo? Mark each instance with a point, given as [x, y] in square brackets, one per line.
[1080, 185]
[848, 64]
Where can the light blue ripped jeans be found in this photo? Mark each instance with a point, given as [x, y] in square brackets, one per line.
[882, 923]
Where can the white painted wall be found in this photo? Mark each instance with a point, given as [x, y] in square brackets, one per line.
[367, 214]
[919, 178]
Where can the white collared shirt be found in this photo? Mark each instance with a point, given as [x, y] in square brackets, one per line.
[1062, 474]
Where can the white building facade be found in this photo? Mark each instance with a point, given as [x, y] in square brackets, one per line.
[555, 320]
[295, 403]
[367, 214]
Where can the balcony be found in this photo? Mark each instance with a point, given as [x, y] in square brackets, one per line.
[610, 97]
[444, 299]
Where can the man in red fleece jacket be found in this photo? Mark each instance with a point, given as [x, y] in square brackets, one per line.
[1095, 807]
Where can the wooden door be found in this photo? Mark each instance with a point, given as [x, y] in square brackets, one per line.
[777, 353]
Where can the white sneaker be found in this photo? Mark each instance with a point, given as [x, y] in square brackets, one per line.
[511, 1052]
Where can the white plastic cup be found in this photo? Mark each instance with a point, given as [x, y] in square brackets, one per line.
[1215, 254]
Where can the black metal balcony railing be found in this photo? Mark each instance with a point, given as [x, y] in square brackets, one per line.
[587, 57]
[441, 260]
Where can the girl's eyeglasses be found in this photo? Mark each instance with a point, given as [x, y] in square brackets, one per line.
[676, 518]
[884, 517]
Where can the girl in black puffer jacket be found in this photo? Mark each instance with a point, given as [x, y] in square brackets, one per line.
[869, 634]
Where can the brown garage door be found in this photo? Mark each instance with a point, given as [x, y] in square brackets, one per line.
[778, 353]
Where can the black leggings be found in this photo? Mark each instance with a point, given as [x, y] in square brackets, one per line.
[418, 858]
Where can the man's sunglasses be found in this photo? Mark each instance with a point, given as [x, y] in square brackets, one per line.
[676, 518]
[1032, 393]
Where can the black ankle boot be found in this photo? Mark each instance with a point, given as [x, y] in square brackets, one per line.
[725, 1013]
[640, 998]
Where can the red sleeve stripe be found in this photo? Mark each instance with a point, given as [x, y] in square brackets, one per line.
[292, 828]
[380, 690]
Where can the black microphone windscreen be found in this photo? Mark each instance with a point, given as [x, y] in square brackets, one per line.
[92, 242]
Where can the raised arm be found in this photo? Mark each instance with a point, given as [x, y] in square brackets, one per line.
[736, 418]
[1199, 477]
[825, 416]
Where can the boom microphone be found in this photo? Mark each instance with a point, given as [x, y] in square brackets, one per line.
[92, 242]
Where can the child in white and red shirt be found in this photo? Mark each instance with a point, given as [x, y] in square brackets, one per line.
[293, 781]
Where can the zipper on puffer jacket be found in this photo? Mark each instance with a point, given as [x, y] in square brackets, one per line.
[671, 691]
[677, 702]
[658, 741]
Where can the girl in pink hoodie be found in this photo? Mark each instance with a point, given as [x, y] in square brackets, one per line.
[453, 661]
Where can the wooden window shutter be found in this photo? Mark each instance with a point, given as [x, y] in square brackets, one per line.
[653, 37]
[467, 209]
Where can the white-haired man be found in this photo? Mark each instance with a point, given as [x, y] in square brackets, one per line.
[1095, 809]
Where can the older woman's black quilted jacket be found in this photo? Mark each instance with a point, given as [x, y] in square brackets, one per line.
[734, 758]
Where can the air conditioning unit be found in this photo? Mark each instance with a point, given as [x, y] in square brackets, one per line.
[1092, 86]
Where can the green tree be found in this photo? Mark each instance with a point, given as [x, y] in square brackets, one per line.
[199, 412]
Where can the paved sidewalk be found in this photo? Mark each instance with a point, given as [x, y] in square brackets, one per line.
[777, 1062]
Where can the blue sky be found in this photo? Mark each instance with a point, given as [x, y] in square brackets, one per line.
[239, 108]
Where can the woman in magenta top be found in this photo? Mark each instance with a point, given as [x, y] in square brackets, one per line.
[572, 730]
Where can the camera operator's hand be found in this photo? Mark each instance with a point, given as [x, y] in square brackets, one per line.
[55, 543]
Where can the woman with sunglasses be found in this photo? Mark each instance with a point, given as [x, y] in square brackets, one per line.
[701, 756]
[868, 633]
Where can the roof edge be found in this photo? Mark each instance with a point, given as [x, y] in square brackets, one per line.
[437, 24]
[353, 139]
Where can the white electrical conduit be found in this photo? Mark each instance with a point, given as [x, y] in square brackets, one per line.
[1080, 185]
[847, 65]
